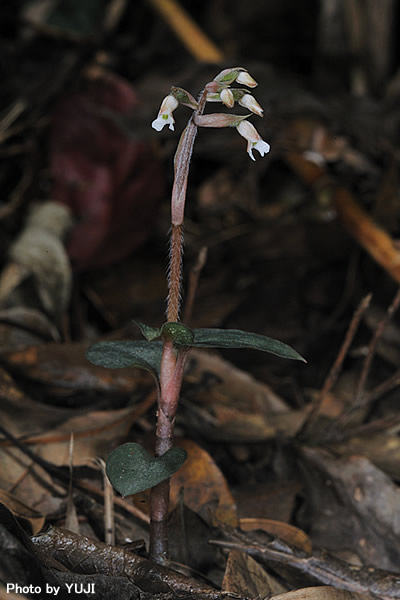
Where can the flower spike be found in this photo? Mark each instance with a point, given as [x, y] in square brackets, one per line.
[254, 139]
[164, 117]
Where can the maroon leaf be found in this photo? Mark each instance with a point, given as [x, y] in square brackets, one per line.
[111, 183]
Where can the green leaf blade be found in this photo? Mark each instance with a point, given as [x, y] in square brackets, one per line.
[131, 469]
[123, 354]
[236, 338]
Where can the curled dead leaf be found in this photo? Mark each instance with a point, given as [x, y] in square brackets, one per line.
[289, 533]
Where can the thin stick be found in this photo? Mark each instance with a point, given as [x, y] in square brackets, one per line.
[337, 365]
[193, 283]
[372, 347]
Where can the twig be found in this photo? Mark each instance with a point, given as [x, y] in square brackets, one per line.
[194, 276]
[383, 388]
[337, 365]
[372, 348]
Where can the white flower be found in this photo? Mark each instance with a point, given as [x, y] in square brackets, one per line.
[248, 101]
[246, 79]
[254, 140]
[164, 117]
[227, 98]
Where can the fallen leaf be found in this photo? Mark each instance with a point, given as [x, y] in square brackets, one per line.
[64, 369]
[323, 592]
[203, 485]
[244, 576]
[111, 183]
[291, 534]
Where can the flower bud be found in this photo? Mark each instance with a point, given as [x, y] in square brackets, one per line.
[228, 76]
[245, 78]
[249, 102]
[227, 98]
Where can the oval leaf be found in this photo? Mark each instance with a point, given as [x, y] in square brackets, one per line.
[119, 355]
[131, 469]
[235, 338]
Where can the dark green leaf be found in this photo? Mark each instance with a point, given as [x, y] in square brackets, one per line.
[118, 355]
[131, 469]
[235, 338]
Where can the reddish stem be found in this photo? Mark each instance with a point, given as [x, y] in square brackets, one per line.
[171, 375]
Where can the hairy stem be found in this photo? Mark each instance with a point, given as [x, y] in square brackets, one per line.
[175, 273]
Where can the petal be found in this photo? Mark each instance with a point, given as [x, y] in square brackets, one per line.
[262, 147]
[248, 131]
[250, 150]
[162, 120]
[158, 123]
[169, 104]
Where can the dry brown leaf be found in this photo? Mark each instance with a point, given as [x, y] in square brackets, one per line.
[270, 500]
[234, 386]
[65, 369]
[323, 592]
[244, 576]
[235, 406]
[95, 433]
[203, 484]
[289, 533]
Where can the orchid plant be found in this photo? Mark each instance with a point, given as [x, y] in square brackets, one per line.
[130, 467]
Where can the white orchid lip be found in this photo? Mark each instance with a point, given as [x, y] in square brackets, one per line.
[168, 105]
[254, 139]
